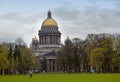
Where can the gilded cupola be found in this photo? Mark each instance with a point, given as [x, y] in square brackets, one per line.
[49, 21]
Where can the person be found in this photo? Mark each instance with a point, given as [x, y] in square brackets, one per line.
[31, 72]
[92, 70]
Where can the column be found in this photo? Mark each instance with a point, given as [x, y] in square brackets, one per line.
[50, 40]
[55, 65]
[53, 39]
[46, 37]
[39, 65]
[56, 40]
[51, 65]
[59, 39]
[48, 65]
[41, 39]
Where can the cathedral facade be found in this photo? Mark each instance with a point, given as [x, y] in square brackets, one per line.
[48, 43]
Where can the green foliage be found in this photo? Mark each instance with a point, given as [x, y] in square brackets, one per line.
[16, 58]
[116, 56]
[3, 58]
[27, 59]
[97, 58]
[66, 59]
[102, 54]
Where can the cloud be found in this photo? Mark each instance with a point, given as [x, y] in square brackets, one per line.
[15, 25]
[79, 23]
[115, 3]
[64, 2]
[73, 21]
[104, 0]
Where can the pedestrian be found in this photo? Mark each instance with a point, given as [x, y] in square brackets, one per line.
[31, 72]
[92, 70]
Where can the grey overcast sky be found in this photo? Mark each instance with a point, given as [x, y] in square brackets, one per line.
[75, 18]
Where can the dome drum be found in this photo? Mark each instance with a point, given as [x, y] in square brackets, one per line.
[44, 34]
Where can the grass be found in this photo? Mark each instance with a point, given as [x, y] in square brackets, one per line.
[62, 78]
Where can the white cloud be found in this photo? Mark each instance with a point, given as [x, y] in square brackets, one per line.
[79, 23]
[15, 25]
[72, 21]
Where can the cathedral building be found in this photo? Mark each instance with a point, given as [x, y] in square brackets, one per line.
[49, 41]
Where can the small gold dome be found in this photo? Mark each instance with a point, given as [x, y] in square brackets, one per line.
[49, 21]
[35, 39]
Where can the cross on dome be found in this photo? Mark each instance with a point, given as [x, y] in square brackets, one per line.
[49, 14]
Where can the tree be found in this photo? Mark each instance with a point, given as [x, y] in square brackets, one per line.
[65, 57]
[10, 58]
[102, 52]
[107, 44]
[3, 59]
[26, 59]
[61, 59]
[19, 41]
[68, 52]
[116, 57]
[97, 59]
[76, 58]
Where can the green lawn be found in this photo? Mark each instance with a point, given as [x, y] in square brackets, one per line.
[62, 78]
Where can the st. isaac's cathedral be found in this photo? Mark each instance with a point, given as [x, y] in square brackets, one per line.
[48, 43]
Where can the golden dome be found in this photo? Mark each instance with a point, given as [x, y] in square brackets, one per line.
[49, 21]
